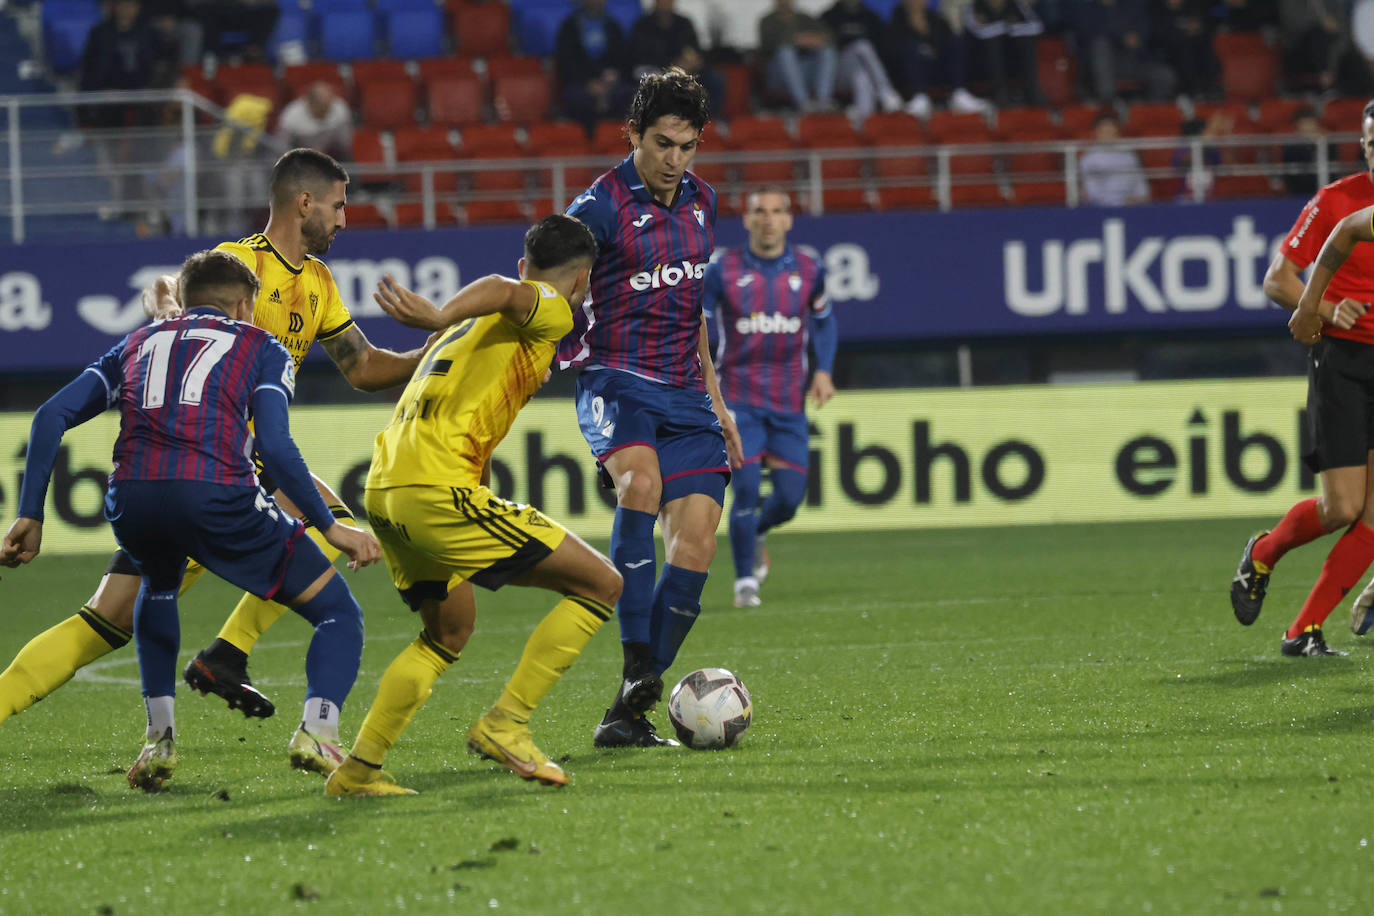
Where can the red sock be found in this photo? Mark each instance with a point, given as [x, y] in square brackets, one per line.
[1341, 572]
[1301, 525]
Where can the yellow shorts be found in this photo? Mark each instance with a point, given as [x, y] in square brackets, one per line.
[435, 537]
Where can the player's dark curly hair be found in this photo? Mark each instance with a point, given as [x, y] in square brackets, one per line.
[674, 93]
[557, 240]
[1368, 111]
[304, 169]
[215, 278]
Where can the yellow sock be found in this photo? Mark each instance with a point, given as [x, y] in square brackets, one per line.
[193, 573]
[404, 688]
[252, 615]
[551, 649]
[51, 658]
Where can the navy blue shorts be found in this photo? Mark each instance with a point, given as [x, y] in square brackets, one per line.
[618, 409]
[784, 438]
[238, 533]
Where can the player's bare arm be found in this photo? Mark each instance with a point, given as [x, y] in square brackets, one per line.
[22, 542]
[1283, 284]
[366, 367]
[734, 448]
[1305, 325]
[487, 296]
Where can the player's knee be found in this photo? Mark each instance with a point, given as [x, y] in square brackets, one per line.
[451, 631]
[638, 490]
[786, 510]
[607, 583]
[1339, 512]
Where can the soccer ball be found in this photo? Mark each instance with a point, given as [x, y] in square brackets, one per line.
[710, 708]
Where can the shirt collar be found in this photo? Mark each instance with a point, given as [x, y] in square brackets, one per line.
[639, 192]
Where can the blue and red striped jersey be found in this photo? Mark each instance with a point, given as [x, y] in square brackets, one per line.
[765, 308]
[644, 311]
[183, 388]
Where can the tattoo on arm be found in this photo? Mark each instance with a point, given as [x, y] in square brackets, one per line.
[347, 350]
[1332, 257]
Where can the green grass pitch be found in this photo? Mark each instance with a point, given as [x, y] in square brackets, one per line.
[1035, 720]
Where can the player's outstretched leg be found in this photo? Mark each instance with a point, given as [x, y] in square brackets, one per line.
[1250, 583]
[1344, 566]
[503, 734]
[331, 667]
[744, 524]
[51, 658]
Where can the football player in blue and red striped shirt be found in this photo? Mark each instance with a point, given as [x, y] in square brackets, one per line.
[647, 399]
[770, 304]
[184, 486]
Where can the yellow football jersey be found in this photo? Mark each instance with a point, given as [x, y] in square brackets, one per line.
[465, 394]
[297, 305]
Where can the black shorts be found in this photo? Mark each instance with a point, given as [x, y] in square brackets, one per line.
[1339, 423]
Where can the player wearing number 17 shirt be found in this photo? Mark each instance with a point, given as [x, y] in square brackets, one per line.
[184, 486]
[647, 399]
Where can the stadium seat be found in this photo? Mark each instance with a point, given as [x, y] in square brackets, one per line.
[521, 99]
[369, 150]
[1165, 183]
[347, 35]
[1057, 70]
[744, 132]
[1039, 193]
[414, 32]
[831, 132]
[513, 65]
[1154, 119]
[482, 29]
[780, 171]
[425, 144]
[297, 78]
[66, 25]
[1343, 115]
[609, 139]
[494, 211]
[452, 65]
[1277, 114]
[1076, 121]
[563, 140]
[289, 36]
[367, 71]
[388, 104]
[321, 7]
[738, 79]
[196, 81]
[536, 25]
[364, 216]
[895, 127]
[1013, 122]
[959, 127]
[1226, 187]
[493, 141]
[973, 181]
[626, 13]
[412, 213]
[1249, 66]
[1036, 177]
[254, 79]
[454, 100]
[386, 6]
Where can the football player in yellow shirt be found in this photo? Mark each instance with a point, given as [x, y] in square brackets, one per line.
[299, 304]
[442, 530]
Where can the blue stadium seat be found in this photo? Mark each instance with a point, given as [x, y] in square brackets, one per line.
[347, 35]
[415, 32]
[320, 7]
[627, 13]
[883, 8]
[66, 24]
[292, 26]
[384, 6]
[537, 23]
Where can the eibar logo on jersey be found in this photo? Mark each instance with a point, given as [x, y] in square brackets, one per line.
[275, 297]
[295, 324]
[667, 275]
[639, 223]
[585, 198]
[314, 303]
[701, 217]
[759, 323]
[794, 282]
[745, 280]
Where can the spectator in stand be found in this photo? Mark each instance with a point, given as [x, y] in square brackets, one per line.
[181, 35]
[1112, 45]
[236, 28]
[929, 53]
[1005, 33]
[1316, 39]
[1110, 173]
[1183, 33]
[799, 58]
[664, 38]
[1299, 157]
[593, 62]
[858, 34]
[320, 120]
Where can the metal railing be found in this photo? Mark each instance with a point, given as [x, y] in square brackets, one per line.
[197, 171]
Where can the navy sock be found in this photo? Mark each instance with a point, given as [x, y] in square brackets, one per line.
[157, 636]
[677, 602]
[331, 663]
[744, 518]
[632, 552]
[789, 487]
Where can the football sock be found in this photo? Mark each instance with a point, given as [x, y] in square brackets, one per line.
[405, 686]
[160, 716]
[51, 658]
[632, 552]
[677, 602]
[551, 649]
[331, 662]
[252, 615]
[321, 718]
[1344, 566]
[190, 577]
[744, 517]
[158, 637]
[789, 486]
[1301, 525]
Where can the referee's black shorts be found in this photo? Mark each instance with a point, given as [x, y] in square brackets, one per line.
[1340, 404]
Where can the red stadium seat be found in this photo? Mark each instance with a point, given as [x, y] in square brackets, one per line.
[744, 132]
[426, 144]
[1154, 119]
[493, 141]
[1042, 164]
[454, 100]
[820, 132]
[431, 67]
[1045, 193]
[959, 127]
[1013, 122]
[1343, 115]
[1249, 66]
[298, 77]
[377, 71]
[1277, 114]
[1243, 186]
[563, 140]
[895, 126]
[364, 216]
[780, 171]
[833, 130]
[1057, 70]
[412, 213]
[498, 67]
[253, 79]
[738, 79]
[388, 104]
[494, 211]
[482, 29]
[521, 99]
[609, 139]
[1076, 121]
[906, 198]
